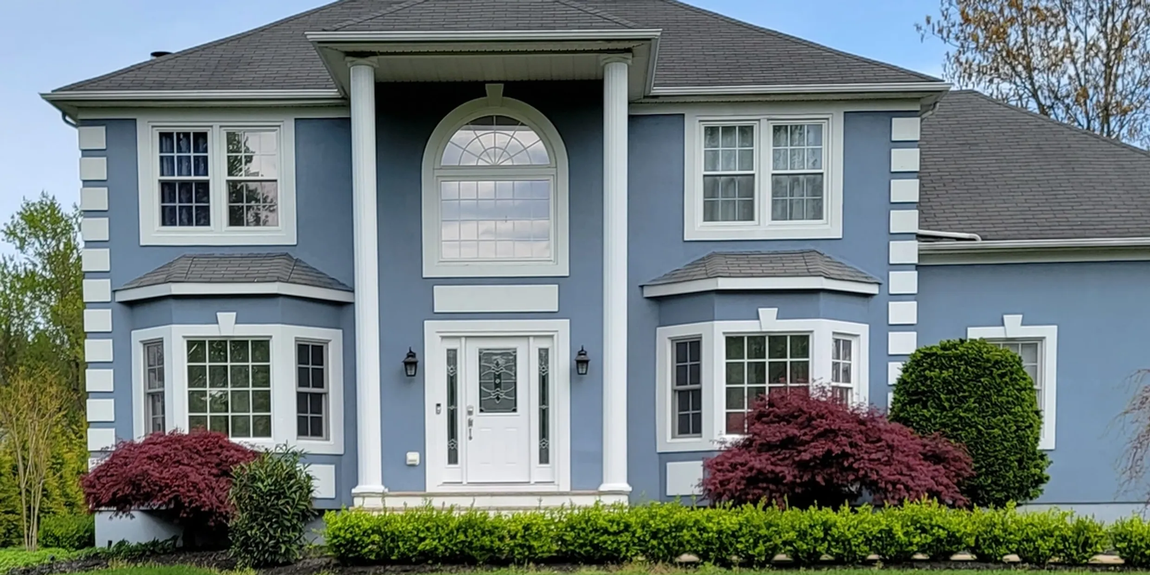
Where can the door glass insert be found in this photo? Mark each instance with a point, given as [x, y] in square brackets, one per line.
[544, 408]
[452, 407]
[497, 382]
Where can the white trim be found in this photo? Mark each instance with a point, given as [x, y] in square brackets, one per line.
[97, 350]
[904, 160]
[323, 480]
[435, 437]
[1012, 329]
[903, 221]
[683, 478]
[902, 312]
[711, 334]
[496, 298]
[735, 105]
[219, 233]
[433, 266]
[101, 438]
[901, 342]
[94, 229]
[99, 380]
[893, 372]
[101, 410]
[874, 88]
[283, 356]
[763, 116]
[92, 137]
[905, 129]
[521, 500]
[260, 288]
[97, 291]
[197, 95]
[97, 320]
[93, 199]
[1035, 251]
[904, 191]
[94, 169]
[480, 35]
[95, 260]
[759, 284]
[904, 252]
[902, 283]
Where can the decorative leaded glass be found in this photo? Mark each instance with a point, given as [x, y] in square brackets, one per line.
[544, 407]
[497, 381]
[452, 407]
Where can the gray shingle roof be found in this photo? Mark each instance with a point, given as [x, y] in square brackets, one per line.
[697, 47]
[1006, 174]
[779, 264]
[237, 268]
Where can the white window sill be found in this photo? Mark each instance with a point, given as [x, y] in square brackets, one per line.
[758, 232]
[687, 444]
[211, 237]
[495, 269]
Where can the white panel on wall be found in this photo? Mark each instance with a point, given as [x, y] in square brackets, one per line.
[904, 221]
[901, 342]
[893, 371]
[101, 410]
[92, 138]
[904, 191]
[903, 282]
[97, 350]
[496, 298]
[324, 476]
[95, 260]
[97, 320]
[904, 252]
[904, 160]
[94, 229]
[93, 169]
[683, 478]
[902, 312]
[93, 199]
[905, 129]
[98, 380]
[97, 291]
[100, 439]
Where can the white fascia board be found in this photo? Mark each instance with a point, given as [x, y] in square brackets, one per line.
[1034, 251]
[758, 284]
[226, 289]
[479, 35]
[987, 245]
[881, 88]
[137, 95]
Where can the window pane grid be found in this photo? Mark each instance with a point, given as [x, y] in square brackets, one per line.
[252, 159]
[311, 390]
[842, 369]
[758, 365]
[797, 172]
[729, 173]
[1031, 353]
[687, 388]
[154, 386]
[185, 189]
[495, 141]
[229, 386]
[495, 219]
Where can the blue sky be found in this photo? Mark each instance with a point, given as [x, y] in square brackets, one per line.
[62, 41]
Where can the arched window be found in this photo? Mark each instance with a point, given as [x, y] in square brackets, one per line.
[495, 201]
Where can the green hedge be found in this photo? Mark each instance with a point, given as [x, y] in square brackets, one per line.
[68, 531]
[747, 536]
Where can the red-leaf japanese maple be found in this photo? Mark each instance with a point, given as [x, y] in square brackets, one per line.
[803, 451]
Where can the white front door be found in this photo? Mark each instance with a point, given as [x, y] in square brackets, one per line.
[498, 388]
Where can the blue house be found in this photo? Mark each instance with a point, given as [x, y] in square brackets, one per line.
[522, 253]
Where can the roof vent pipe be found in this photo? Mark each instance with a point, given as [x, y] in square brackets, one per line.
[159, 54]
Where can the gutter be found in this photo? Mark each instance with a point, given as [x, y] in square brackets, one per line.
[754, 90]
[994, 245]
[481, 35]
[950, 235]
[188, 95]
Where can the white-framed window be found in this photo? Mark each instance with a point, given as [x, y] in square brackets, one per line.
[226, 179]
[246, 382]
[495, 193]
[154, 386]
[741, 362]
[763, 172]
[1037, 345]
[687, 388]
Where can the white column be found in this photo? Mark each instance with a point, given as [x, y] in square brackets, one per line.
[615, 70]
[369, 440]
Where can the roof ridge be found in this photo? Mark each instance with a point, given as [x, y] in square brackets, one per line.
[390, 9]
[1048, 119]
[809, 43]
[600, 13]
[197, 48]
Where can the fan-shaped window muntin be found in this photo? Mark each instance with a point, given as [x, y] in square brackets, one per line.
[495, 140]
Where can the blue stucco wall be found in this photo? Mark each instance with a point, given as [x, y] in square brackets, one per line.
[1101, 315]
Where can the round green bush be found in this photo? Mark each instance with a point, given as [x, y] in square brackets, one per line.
[272, 500]
[978, 395]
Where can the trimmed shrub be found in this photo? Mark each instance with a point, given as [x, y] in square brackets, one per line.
[72, 532]
[802, 451]
[187, 476]
[598, 534]
[271, 496]
[1131, 539]
[978, 395]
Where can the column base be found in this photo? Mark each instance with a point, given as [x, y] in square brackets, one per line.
[615, 488]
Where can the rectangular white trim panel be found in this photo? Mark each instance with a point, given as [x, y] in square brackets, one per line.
[97, 291]
[904, 221]
[95, 260]
[323, 477]
[97, 350]
[905, 129]
[98, 380]
[93, 168]
[259, 288]
[904, 191]
[759, 284]
[94, 229]
[101, 410]
[97, 320]
[903, 283]
[93, 199]
[904, 252]
[901, 342]
[904, 160]
[92, 137]
[683, 478]
[902, 312]
[496, 298]
[893, 372]
[100, 439]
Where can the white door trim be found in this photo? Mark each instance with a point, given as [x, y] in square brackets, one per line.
[435, 433]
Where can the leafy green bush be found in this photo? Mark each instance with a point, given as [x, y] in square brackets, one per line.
[68, 531]
[272, 500]
[125, 551]
[15, 558]
[1131, 539]
[978, 395]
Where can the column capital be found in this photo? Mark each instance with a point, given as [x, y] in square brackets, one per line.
[612, 58]
[369, 61]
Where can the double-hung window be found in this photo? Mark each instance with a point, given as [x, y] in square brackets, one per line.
[687, 388]
[229, 387]
[154, 387]
[758, 365]
[1030, 351]
[311, 390]
[1037, 346]
[842, 368]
